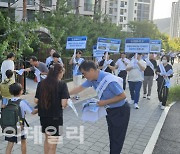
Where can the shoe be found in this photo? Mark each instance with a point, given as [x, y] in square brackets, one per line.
[136, 106]
[160, 104]
[144, 96]
[77, 97]
[148, 97]
[131, 102]
[162, 107]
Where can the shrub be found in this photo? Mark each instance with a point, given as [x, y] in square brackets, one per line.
[174, 94]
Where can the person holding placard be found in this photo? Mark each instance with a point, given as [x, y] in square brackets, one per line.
[76, 61]
[135, 70]
[121, 64]
[164, 72]
[149, 75]
[107, 64]
[111, 95]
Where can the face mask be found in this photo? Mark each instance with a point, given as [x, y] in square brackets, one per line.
[164, 61]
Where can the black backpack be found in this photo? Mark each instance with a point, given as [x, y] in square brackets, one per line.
[11, 116]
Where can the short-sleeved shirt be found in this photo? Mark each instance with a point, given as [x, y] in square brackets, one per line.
[50, 59]
[55, 109]
[41, 67]
[121, 65]
[24, 105]
[77, 72]
[112, 90]
[148, 71]
[107, 69]
[167, 68]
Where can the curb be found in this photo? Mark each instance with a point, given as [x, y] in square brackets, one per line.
[155, 135]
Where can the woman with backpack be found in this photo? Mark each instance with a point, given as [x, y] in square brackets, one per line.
[51, 96]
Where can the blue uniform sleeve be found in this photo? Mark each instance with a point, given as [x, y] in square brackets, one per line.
[115, 88]
[87, 84]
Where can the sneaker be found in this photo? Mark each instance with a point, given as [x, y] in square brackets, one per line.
[162, 107]
[77, 97]
[160, 104]
[136, 106]
[148, 97]
[144, 96]
[131, 102]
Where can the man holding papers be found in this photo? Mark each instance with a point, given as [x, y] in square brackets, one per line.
[112, 97]
[40, 70]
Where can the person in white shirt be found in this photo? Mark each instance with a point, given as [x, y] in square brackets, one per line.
[8, 64]
[50, 58]
[135, 70]
[76, 61]
[121, 64]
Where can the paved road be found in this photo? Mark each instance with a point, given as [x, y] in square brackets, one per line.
[95, 136]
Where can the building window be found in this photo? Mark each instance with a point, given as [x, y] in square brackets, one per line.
[88, 5]
[134, 19]
[135, 4]
[115, 10]
[71, 3]
[125, 10]
[111, 4]
[125, 3]
[121, 19]
[30, 15]
[122, 4]
[11, 1]
[124, 18]
[30, 2]
[110, 11]
[121, 12]
[48, 3]
[135, 11]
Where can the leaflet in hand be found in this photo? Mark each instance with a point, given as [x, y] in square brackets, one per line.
[70, 103]
[20, 72]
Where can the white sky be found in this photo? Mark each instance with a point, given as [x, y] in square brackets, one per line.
[162, 8]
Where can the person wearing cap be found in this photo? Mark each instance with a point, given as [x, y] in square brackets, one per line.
[135, 71]
[107, 64]
[76, 61]
[121, 64]
[50, 58]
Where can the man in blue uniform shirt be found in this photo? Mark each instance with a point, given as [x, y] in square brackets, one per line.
[112, 96]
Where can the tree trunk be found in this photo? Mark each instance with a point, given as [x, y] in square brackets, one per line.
[24, 10]
[9, 9]
[77, 7]
[41, 2]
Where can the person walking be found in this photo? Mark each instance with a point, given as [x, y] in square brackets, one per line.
[135, 78]
[107, 64]
[164, 72]
[111, 95]
[51, 97]
[149, 75]
[121, 64]
[76, 61]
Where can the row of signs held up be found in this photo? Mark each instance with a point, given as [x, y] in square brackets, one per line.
[132, 45]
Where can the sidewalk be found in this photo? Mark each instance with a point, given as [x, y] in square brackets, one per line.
[141, 125]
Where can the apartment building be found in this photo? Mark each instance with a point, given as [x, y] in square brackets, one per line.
[175, 20]
[86, 7]
[121, 12]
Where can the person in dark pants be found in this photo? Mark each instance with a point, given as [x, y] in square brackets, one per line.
[121, 64]
[162, 80]
[111, 95]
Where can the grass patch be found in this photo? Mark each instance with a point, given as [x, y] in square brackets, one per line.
[174, 94]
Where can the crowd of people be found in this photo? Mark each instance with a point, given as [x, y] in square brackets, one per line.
[52, 93]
